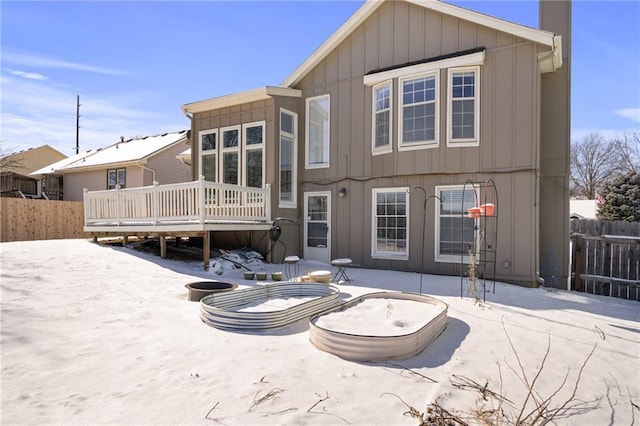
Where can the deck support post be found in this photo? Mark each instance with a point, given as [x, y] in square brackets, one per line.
[125, 240]
[206, 250]
[163, 247]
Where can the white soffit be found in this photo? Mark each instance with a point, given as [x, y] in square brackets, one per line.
[259, 94]
[459, 61]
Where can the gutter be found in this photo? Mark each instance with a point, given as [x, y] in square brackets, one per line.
[143, 167]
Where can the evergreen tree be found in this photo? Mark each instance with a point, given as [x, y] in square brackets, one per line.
[621, 199]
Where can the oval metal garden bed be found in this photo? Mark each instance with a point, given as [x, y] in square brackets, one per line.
[369, 345]
[268, 306]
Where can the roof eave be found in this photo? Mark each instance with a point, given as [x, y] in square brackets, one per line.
[259, 94]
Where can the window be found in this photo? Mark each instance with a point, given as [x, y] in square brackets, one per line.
[381, 120]
[418, 119]
[463, 109]
[116, 177]
[317, 140]
[253, 154]
[450, 216]
[288, 158]
[209, 155]
[230, 161]
[390, 228]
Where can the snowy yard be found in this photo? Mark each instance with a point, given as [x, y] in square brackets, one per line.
[94, 334]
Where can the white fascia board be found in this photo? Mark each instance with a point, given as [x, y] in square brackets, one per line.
[259, 94]
[459, 61]
[336, 38]
[539, 36]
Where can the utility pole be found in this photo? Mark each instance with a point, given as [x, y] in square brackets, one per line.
[78, 124]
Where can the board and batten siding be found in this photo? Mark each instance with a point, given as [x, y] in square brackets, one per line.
[397, 33]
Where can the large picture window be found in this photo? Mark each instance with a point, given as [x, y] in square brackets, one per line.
[209, 155]
[317, 132]
[418, 119]
[451, 244]
[390, 227]
[463, 109]
[288, 158]
[230, 162]
[253, 154]
[381, 120]
[116, 177]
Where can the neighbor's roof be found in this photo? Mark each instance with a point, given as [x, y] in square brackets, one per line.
[541, 37]
[120, 153]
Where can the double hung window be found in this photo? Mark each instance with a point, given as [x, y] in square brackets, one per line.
[418, 119]
[452, 243]
[390, 226]
[382, 118]
[116, 177]
[464, 111]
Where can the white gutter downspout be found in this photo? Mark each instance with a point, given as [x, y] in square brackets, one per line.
[143, 167]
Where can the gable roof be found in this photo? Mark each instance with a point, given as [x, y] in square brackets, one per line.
[119, 154]
[541, 37]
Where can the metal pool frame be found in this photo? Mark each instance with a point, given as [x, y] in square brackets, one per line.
[215, 309]
[356, 347]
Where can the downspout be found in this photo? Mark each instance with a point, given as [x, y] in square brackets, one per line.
[143, 167]
[193, 151]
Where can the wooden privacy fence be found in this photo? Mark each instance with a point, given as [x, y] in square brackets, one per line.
[26, 220]
[607, 265]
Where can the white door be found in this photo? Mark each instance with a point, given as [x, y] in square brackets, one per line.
[317, 226]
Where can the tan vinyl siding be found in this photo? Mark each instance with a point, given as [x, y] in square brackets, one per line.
[168, 169]
[95, 180]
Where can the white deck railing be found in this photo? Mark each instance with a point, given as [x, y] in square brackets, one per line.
[199, 201]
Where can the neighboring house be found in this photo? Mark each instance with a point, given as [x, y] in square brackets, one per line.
[583, 209]
[17, 167]
[128, 164]
[405, 95]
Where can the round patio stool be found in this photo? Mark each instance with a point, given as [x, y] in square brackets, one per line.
[291, 267]
[342, 264]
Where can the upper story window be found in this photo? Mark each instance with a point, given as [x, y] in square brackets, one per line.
[318, 128]
[381, 120]
[116, 177]
[208, 166]
[288, 158]
[464, 107]
[253, 154]
[390, 225]
[418, 120]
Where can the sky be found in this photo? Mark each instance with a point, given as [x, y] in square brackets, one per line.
[133, 64]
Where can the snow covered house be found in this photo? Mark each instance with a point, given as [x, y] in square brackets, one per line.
[131, 163]
[405, 95]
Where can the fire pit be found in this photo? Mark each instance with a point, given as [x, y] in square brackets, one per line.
[200, 289]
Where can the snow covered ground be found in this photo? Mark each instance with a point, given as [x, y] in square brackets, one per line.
[93, 334]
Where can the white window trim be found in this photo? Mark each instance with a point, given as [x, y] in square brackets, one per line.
[423, 144]
[389, 147]
[294, 162]
[446, 258]
[476, 112]
[255, 147]
[224, 150]
[307, 128]
[208, 151]
[374, 227]
[428, 67]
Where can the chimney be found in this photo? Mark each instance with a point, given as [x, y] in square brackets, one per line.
[555, 142]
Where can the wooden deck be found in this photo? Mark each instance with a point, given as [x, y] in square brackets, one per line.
[182, 207]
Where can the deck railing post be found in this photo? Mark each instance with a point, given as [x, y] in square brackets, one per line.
[118, 205]
[155, 202]
[84, 201]
[267, 202]
[201, 198]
